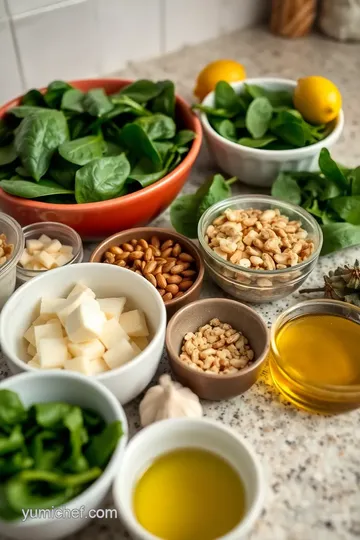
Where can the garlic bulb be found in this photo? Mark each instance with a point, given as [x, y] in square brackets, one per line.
[168, 400]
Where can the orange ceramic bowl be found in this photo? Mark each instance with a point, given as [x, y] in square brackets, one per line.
[97, 220]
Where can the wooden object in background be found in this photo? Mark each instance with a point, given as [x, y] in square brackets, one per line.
[292, 18]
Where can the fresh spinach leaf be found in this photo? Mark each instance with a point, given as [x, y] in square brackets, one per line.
[55, 92]
[140, 145]
[81, 151]
[219, 113]
[164, 102]
[339, 236]
[286, 188]
[348, 208]
[279, 98]
[112, 149]
[96, 102]
[157, 126]
[125, 104]
[21, 171]
[103, 445]
[32, 190]
[7, 154]
[33, 98]
[227, 130]
[140, 91]
[12, 410]
[331, 170]
[184, 137]
[258, 117]
[6, 134]
[72, 100]
[37, 139]
[102, 179]
[22, 111]
[218, 190]
[226, 97]
[79, 126]
[63, 172]
[355, 182]
[257, 143]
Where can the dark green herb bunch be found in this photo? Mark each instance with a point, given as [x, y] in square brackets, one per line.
[49, 453]
[331, 195]
[68, 146]
[261, 118]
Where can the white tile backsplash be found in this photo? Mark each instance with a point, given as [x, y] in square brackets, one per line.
[128, 30]
[58, 44]
[187, 22]
[69, 39]
[10, 80]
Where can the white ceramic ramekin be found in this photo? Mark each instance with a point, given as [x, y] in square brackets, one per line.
[45, 386]
[255, 166]
[106, 280]
[168, 435]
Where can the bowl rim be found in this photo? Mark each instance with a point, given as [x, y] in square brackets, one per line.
[141, 357]
[251, 515]
[180, 237]
[292, 153]
[24, 272]
[18, 249]
[174, 356]
[274, 201]
[185, 164]
[325, 389]
[118, 453]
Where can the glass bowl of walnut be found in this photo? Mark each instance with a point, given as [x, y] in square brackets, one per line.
[11, 248]
[258, 248]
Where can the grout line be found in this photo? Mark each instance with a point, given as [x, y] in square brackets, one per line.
[19, 63]
[163, 8]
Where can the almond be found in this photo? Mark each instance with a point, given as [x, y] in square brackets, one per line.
[161, 281]
[166, 253]
[150, 267]
[174, 279]
[177, 269]
[185, 285]
[186, 257]
[167, 267]
[148, 254]
[154, 240]
[167, 244]
[176, 250]
[173, 289]
[168, 296]
[127, 247]
[151, 278]
[136, 255]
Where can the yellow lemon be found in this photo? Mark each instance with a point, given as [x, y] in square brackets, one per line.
[317, 99]
[220, 70]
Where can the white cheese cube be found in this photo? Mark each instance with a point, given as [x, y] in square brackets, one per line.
[81, 364]
[53, 247]
[50, 306]
[120, 354]
[45, 239]
[112, 307]
[31, 350]
[66, 249]
[50, 330]
[25, 258]
[52, 352]
[141, 342]
[90, 349]
[62, 259]
[98, 365]
[30, 336]
[85, 322]
[69, 305]
[134, 323]
[45, 259]
[112, 333]
[33, 364]
[79, 288]
[38, 266]
[136, 349]
[34, 245]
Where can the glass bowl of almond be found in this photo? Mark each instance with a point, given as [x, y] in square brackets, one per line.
[258, 248]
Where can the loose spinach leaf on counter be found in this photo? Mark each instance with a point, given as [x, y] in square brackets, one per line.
[330, 195]
[186, 210]
[101, 179]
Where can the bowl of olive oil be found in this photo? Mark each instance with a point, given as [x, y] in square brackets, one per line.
[187, 479]
[314, 359]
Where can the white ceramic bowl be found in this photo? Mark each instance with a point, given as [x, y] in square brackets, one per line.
[255, 166]
[45, 386]
[127, 381]
[168, 435]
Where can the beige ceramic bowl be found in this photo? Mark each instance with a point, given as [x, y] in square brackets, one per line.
[241, 317]
[117, 239]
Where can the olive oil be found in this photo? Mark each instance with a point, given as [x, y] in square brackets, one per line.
[189, 494]
[316, 354]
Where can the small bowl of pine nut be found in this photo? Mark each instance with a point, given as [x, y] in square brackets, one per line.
[168, 260]
[258, 248]
[217, 347]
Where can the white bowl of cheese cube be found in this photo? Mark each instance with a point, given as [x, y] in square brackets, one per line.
[48, 245]
[99, 320]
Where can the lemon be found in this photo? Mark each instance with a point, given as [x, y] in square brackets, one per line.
[220, 70]
[317, 99]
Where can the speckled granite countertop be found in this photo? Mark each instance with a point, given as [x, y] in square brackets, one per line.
[312, 463]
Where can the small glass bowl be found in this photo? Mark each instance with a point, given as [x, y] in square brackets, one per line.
[323, 399]
[258, 286]
[14, 235]
[66, 235]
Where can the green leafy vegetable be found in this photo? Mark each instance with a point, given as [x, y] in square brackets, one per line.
[33, 98]
[157, 126]
[140, 91]
[330, 195]
[258, 117]
[7, 154]
[256, 143]
[164, 102]
[137, 141]
[186, 210]
[32, 190]
[102, 179]
[96, 102]
[81, 151]
[72, 100]
[55, 92]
